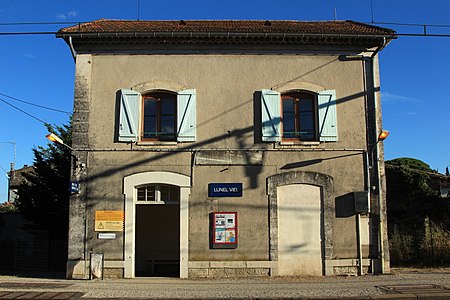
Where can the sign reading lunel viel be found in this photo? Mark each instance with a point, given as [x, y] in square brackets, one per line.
[225, 190]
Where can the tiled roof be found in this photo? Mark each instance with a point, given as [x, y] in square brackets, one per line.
[236, 26]
[16, 176]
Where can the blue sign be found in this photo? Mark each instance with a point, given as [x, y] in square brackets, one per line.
[74, 187]
[225, 190]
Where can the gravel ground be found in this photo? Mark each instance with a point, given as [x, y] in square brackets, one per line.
[268, 288]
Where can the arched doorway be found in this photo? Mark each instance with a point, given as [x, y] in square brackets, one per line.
[157, 231]
[301, 215]
[156, 224]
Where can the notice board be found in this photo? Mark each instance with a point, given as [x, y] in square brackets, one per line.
[109, 220]
[224, 230]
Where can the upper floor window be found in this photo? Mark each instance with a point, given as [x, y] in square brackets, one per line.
[161, 116]
[302, 116]
[299, 116]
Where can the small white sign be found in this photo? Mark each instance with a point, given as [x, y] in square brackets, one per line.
[106, 236]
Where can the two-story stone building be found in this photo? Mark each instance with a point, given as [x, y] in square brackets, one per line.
[224, 148]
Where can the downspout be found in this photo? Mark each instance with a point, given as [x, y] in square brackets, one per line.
[381, 252]
[367, 153]
[72, 49]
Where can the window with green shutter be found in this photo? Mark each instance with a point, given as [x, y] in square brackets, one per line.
[299, 116]
[159, 116]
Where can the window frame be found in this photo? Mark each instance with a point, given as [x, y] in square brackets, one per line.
[131, 113]
[158, 97]
[297, 97]
[157, 190]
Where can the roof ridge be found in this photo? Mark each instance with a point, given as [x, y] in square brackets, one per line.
[339, 27]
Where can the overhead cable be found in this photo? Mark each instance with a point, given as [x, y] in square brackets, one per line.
[21, 110]
[37, 105]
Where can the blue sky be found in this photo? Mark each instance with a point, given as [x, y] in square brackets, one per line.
[414, 70]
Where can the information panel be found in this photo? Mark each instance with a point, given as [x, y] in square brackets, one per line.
[224, 230]
[109, 220]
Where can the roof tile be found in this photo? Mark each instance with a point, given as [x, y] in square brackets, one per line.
[251, 26]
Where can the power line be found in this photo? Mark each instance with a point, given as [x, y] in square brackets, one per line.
[38, 23]
[81, 22]
[412, 24]
[29, 33]
[423, 34]
[28, 114]
[3, 169]
[37, 105]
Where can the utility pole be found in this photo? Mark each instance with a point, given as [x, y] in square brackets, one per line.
[11, 172]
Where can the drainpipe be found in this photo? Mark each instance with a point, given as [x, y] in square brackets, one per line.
[368, 165]
[72, 49]
[381, 253]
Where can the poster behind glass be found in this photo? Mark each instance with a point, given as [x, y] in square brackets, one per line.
[224, 230]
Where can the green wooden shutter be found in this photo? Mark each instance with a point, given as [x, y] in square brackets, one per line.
[270, 116]
[129, 116]
[328, 131]
[186, 116]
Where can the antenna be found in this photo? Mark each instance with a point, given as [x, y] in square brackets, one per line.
[138, 9]
[371, 9]
[335, 14]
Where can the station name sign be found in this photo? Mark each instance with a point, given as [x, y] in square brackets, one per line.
[225, 190]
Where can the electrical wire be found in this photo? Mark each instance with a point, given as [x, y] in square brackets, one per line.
[21, 110]
[29, 33]
[3, 169]
[37, 105]
[38, 23]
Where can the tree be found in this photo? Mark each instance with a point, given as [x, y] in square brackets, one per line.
[412, 201]
[447, 173]
[44, 197]
[410, 189]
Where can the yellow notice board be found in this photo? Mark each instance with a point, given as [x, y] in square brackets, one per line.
[109, 220]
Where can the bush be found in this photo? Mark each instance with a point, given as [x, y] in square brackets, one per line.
[436, 244]
[418, 248]
[401, 247]
[8, 207]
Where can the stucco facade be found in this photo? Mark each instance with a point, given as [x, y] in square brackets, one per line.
[289, 187]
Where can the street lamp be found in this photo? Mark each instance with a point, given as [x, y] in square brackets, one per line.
[56, 139]
[381, 137]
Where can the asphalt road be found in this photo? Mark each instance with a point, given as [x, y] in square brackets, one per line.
[401, 284]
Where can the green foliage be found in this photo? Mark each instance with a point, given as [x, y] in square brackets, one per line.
[7, 207]
[412, 198]
[44, 197]
[409, 191]
[401, 246]
[436, 244]
[433, 246]
[410, 163]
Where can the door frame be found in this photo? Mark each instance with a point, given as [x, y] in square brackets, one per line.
[325, 182]
[130, 184]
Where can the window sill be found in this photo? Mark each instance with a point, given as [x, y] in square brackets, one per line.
[299, 143]
[296, 144]
[156, 143]
[157, 202]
